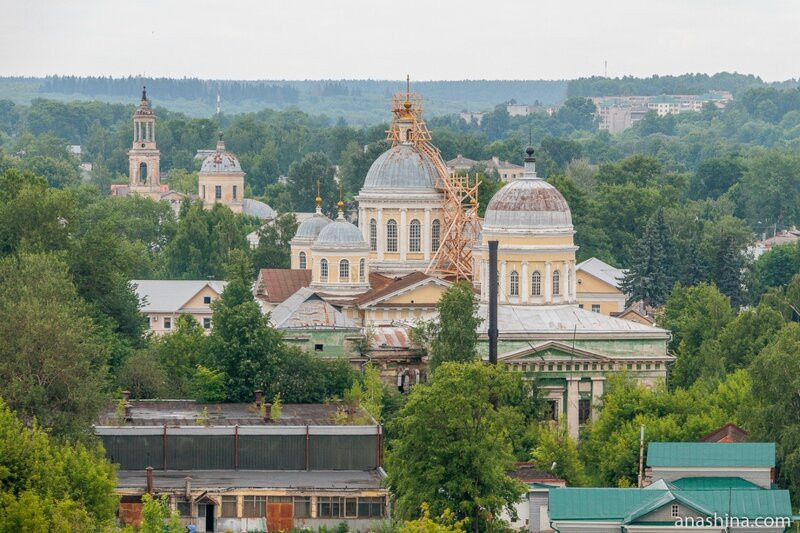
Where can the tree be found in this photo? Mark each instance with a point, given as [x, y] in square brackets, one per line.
[714, 177]
[273, 250]
[52, 358]
[446, 523]
[179, 353]
[696, 316]
[457, 333]
[451, 448]
[650, 276]
[303, 177]
[554, 446]
[157, 518]
[776, 380]
[48, 485]
[728, 271]
[356, 161]
[741, 340]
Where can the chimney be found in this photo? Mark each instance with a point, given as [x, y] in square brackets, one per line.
[267, 412]
[128, 414]
[126, 395]
[149, 471]
[493, 302]
[188, 487]
[258, 398]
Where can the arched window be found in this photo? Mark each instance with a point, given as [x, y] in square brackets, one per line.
[556, 283]
[391, 236]
[414, 236]
[302, 261]
[373, 235]
[514, 284]
[142, 172]
[536, 284]
[344, 270]
[323, 270]
[436, 235]
[362, 270]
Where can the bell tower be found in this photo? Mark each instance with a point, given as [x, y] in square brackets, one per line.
[143, 157]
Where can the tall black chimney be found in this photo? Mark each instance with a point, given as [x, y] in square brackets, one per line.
[493, 302]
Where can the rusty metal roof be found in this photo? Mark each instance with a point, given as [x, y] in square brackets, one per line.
[306, 310]
[528, 203]
[277, 284]
[391, 337]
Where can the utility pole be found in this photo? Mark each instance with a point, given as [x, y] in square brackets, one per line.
[641, 456]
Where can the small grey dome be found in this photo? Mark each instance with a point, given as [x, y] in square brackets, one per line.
[257, 209]
[341, 234]
[221, 161]
[309, 229]
[528, 203]
[401, 167]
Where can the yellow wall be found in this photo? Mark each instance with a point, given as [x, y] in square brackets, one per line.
[333, 267]
[196, 302]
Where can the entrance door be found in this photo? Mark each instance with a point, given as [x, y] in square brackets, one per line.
[205, 516]
[279, 516]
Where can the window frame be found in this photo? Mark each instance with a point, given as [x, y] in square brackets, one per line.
[373, 235]
[436, 235]
[301, 260]
[257, 503]
[536, 283]
[323, 270]
[391, 235]
[513, 283]
[556, 282]
[206, 322]
[414, 236]
[362, 270]
[167, 322]
[217, 192]
[344, 270]
[226, 501]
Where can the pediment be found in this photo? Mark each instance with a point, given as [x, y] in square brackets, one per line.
[425, 292]
[553, 351]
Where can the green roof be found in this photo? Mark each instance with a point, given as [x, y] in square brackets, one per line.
[714, 483]
[711, 454]
[629, 505]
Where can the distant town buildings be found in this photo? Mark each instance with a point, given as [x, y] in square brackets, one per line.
[779, 238]
[163, 301]
[507, 171]
[618, 113]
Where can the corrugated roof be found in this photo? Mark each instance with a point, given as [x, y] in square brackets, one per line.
[711, 454]
[391, 337]
[602, 271]
[252, 479]
[306, 310]
[628, 505]
[170, 295]
[714, 483]
[277, 284]
[561, 319]
[392, 285]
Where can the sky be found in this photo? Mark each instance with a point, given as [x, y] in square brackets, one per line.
[379, 39]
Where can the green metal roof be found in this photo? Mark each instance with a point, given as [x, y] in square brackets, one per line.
[714, 483]
[711, 454]
[629, 505]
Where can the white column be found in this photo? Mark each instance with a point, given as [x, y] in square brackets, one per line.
[426, 234]
[137, 132]
[563, 283]
[574, 288]
[548, 284]
[146, 131]
[502, 296]
[363, 224]
[402, 234]
[572, 405]
[598, 386]
[381, 235]
[524, 286]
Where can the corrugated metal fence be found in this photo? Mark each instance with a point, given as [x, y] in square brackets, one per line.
[245, 447]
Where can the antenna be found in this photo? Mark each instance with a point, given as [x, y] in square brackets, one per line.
[530, 135]
[408, 84]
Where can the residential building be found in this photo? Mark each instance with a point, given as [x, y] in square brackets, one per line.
[707, 486]
[727, 433]
[232, 467]
[779, 238]
[532, 511]
[163, 301]
[506, 170]
[598, 287]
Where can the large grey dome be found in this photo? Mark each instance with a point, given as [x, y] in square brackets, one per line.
[341, 234]
[309, 229]
[528, 203]
[401, 167]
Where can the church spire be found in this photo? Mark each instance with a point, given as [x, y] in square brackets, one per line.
[318, 201]
[340, 204]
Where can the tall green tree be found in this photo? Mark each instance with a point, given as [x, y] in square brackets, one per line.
[303, 177]
[650, 276]
[452, 448]
[53, 360]
[273, 250]
[456, 336]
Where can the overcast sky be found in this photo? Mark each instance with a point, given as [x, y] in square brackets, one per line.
[430, 39]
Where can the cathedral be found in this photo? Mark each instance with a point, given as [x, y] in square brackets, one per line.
[220, 179]
[556, 317]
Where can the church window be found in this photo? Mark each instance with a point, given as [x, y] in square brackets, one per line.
[218, 191]
[556, 283]
[344, 270]
[584, 411]
[362, 270]
[234, 192]
[373, 235]
[143, 172]
[514, 284]
[323, 270]
[595, 308]
[414, 236]
[391, 236]
[302, 261]
[536, 284]
[436, 235]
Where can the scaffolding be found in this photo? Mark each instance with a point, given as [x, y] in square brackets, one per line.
[460, 224]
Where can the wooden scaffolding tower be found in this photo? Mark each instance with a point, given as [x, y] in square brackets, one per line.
[453, 259]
